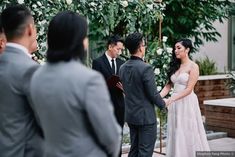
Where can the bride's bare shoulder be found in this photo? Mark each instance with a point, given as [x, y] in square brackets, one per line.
[194, 65]
[194, 68]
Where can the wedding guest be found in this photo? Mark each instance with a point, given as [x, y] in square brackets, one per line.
[71, 100]
[3, 41]
[141, 95]
[185, 132]
[20, 135]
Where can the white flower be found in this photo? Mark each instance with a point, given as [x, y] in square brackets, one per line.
[69, 2]
[34, 6]
[43, 22]
[164, 66]
[124, 3]
[159, 88]
[150, 6]
[93, 4]
[20, 1]
[39, 3]
[159, 51]
[157, 71]
[164, 38]
[169, 49]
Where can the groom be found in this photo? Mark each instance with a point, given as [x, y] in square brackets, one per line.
[140, 97]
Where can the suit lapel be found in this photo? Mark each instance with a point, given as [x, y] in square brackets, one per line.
[118, 65]
[106, 62]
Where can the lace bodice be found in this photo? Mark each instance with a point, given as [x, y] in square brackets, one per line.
[180, 81]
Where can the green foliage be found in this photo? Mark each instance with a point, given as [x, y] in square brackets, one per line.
[105, 17]
[193, 19]
[206, 66]
[232, 82]
[121, 17]
[159, 58]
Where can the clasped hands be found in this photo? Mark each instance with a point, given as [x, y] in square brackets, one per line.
[168, 101]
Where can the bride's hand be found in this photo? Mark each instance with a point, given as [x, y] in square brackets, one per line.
[166, 102]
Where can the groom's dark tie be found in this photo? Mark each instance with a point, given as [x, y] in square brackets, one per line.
[113, 66]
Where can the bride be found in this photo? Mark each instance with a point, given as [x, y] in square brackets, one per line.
[185, 132]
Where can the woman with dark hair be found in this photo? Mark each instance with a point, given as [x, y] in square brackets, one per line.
[186, 133]
[72, 101]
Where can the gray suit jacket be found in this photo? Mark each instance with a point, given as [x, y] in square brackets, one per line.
[19, 132]
[141, 93]
[75, 111]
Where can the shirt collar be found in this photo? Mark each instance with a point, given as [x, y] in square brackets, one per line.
[18, 46]
[109, 58]
[136, 58]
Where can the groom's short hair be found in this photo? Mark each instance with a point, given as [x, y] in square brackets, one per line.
[133, 41]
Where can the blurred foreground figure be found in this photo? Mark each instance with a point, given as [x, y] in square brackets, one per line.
[71, 100]
[20, 135]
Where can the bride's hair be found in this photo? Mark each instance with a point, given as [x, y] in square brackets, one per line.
[175, 62]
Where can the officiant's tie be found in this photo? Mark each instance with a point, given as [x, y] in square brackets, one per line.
[113, 67]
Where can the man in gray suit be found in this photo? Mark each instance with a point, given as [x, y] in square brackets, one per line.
[20, 135]
[71, 100]
[140, 97]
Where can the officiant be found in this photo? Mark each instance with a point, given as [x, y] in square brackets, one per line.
[108, 65]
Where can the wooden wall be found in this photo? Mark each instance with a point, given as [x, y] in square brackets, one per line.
[220, 118]
[211, 89]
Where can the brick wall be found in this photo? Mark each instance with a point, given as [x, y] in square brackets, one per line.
[212, 87]
[220, 115]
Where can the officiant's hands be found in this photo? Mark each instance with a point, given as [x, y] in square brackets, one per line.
[119, 85]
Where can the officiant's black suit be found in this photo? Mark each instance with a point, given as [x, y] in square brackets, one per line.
[102, 65]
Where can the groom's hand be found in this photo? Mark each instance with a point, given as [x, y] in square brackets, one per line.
[166, 102]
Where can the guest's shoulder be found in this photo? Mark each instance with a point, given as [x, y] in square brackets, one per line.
[87, 71]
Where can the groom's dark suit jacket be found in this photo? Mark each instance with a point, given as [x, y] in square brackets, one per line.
[102, 65]
[140, 92]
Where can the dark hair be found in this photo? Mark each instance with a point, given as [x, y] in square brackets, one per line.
[133, 42]
[66, 33]
[1, 28]
[114, 40]
[175, 62]
[14, 21]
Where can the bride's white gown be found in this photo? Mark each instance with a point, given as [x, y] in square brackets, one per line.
[185, 131]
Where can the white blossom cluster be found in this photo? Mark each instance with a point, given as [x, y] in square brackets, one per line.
[160, 58]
